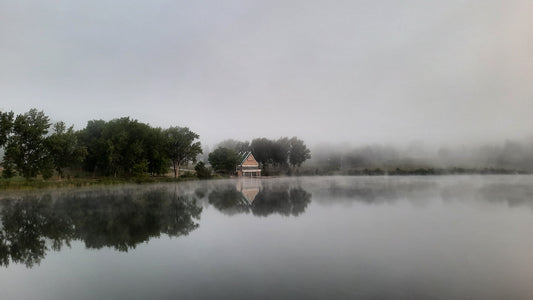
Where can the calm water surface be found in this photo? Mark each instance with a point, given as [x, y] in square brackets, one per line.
[455, 237]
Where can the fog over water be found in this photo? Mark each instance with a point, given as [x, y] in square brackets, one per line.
[334, 237]
[453, 72]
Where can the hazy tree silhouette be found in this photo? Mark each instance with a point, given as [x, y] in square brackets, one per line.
[32, 226]
[283, 200]
[228, 200]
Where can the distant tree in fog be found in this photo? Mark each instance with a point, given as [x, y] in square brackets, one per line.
[298, 152]
[280, 152]
[237, 146]
[262, 150]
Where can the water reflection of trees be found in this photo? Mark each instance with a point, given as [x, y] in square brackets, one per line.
[281, 199]
[512, 194]
[33, 225]
[229, 200]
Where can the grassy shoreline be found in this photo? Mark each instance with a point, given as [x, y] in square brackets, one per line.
[23, 184]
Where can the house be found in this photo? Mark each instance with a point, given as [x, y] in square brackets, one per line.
[248, 166]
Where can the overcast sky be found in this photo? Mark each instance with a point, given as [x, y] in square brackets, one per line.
[355, 71]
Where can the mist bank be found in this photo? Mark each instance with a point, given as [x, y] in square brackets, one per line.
[508, 156]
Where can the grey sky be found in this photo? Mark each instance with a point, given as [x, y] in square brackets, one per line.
[357, 71]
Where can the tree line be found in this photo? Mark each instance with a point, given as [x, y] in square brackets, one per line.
[417, 158]
[282, 153]
[120, 147]
[125, 147]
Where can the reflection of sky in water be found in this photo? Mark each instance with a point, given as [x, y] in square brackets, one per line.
[321, 237]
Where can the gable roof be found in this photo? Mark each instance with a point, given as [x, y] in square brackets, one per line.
[243, 156]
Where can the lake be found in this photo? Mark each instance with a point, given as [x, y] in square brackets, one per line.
[397, 237]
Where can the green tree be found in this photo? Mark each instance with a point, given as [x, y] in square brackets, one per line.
[124, 140]
[8, 171]
[262, 150]
[26, 148]
[6, 125]
[298, 152]
[202, 171]
[223, 160]
[156, 152]
[124, 147]
[280, 151]
[182, 147]
[64, 148]
[91, 137]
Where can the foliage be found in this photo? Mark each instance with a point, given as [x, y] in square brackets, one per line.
[124, 147]
[92, 138]
[223, 160]
[8, 171]
[202, 171]
[156, 152]
[64, 148]
[298, 152]
[281, 152]
[235, 145]
[182, 146]
[6, 125]
[262, 150]
[26, 147]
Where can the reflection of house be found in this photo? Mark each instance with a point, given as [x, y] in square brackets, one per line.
[249, 189]
[248, 166]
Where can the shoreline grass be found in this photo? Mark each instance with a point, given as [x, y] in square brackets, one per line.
[14, 184]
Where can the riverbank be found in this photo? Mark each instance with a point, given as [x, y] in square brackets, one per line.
[23, 184]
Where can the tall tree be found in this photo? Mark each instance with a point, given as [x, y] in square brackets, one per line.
[182, 146]
[262, 150]
[6, 125]
[64, 148]
[126, 144]
[280, 151]
[156, 152]
[92, 138]
[26, 147]
[298, 152]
